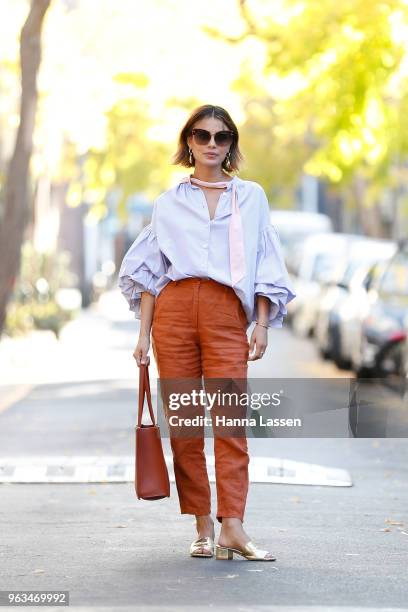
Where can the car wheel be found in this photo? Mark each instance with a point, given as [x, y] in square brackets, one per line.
[364, 372]
[324, 353]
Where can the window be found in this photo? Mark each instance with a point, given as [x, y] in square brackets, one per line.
[395, 279]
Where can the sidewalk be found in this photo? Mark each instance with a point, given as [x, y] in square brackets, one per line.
[94, 346]
[97, 345]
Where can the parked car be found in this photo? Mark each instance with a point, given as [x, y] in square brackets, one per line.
[295, 225]
[403, 383]
[312, 265]
[384, 332]
[379, 407]
[343, 303]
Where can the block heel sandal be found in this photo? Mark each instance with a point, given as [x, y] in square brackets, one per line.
[249, 552]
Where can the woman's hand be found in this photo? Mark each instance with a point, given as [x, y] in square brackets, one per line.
[141, 350]
[259, 342]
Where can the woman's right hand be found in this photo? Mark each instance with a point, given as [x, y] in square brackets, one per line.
[141, 350]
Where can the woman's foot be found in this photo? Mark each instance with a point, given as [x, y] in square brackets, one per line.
[205, 526]
[233, 536]
[232, 533]
[203, 546]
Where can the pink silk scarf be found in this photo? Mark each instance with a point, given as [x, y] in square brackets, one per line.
[236, 234]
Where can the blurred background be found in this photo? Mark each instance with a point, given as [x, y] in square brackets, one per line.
[93, 94]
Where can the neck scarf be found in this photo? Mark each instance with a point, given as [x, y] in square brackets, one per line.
[236, 234]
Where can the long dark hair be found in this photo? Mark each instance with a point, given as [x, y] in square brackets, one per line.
[181, 157]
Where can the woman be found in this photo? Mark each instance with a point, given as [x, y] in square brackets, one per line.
[207, 266]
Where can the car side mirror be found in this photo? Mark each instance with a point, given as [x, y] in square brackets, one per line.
[342, 285]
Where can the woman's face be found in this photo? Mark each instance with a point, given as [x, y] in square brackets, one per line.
[211, 154]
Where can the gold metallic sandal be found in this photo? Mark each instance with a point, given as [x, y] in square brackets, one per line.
[203, 547]
[250, 552]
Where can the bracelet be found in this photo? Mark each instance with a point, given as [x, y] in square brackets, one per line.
[266, 326]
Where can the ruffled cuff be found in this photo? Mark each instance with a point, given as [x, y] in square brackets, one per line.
[272, 278]
[142, 266]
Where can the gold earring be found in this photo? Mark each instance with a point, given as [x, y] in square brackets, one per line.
[190, 156]
[228, 161]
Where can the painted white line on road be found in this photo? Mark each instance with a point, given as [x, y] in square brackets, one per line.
[83, 469]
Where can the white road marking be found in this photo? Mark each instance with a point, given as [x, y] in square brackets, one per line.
[82, 469]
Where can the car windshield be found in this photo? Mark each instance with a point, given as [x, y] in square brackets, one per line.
[366, 259]
[351, 268]
[395, 279]
[325, 265]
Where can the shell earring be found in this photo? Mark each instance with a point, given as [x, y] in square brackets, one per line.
[228, 161]
[190, 156]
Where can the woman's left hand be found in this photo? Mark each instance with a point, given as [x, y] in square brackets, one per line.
[259, 342]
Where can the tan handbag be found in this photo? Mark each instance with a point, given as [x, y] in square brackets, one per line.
[151, 474]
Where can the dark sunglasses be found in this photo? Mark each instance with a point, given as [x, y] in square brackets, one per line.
[203, 137]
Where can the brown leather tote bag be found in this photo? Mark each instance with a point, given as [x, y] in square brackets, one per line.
[151, 474]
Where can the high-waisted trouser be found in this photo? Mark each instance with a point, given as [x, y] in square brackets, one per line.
[199, 330]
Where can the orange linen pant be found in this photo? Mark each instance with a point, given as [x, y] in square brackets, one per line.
[199, 329]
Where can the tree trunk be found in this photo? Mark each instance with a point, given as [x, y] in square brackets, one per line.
[14, 213]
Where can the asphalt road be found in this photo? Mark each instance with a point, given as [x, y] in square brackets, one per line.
[336, 547]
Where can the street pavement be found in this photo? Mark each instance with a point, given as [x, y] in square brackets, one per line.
[336, 547]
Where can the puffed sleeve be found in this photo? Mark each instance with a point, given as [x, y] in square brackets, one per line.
[272, 279]
[142, 266]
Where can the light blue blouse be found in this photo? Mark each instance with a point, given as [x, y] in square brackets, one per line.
[182, 241]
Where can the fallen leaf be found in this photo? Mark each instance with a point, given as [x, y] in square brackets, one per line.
[385, 529]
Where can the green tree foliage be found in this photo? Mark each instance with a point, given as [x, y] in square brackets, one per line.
[341, 91]
[131, 161]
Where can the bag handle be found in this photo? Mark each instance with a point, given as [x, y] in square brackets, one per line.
[144, 389]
